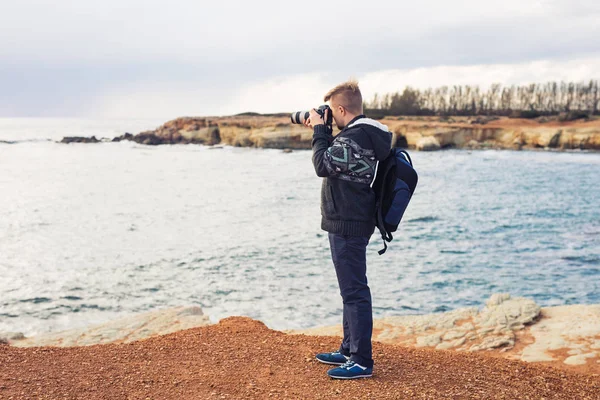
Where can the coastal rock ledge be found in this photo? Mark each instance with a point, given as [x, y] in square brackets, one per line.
[420, 133]
[513, 328]
[240, 358]
[123, 330]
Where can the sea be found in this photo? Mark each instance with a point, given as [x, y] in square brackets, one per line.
[94, 232]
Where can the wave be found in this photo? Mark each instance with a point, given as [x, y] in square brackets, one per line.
[429, 218]
[593, 260]
[36, 300]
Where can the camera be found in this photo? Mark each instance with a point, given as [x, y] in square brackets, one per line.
[300, 116]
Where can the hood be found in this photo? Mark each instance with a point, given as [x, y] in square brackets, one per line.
[378, 133]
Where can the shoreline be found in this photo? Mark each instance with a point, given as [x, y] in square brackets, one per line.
[240, 358]
[512, 328]
[422, 134]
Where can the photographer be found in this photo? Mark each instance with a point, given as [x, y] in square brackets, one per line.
[348, 163]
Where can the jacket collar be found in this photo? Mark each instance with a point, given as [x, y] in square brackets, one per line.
[352, 121]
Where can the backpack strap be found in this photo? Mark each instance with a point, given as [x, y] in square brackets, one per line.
[405, 154]
[380, 252]
[381, 229]
[386, 236]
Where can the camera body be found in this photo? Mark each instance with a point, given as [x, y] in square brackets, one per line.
[300, 116]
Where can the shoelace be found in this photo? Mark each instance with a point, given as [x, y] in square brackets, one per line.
[349, 364]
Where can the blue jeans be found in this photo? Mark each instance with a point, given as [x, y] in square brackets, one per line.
[349, 254]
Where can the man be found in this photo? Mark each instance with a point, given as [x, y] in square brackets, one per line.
[348, 163]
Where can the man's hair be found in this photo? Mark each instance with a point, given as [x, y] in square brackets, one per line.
[348, 95]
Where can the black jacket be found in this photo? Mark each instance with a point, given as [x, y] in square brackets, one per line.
[349, 163]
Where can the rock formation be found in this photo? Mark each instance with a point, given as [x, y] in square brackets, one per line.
[427, 143]
[514, 328]
[464, 329]
[123, 330]
[240, 358]
[79, 139]
[424, 133]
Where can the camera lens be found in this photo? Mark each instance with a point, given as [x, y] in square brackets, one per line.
[299, 117]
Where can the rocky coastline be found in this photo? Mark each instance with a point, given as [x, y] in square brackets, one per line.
[420, 133]
[511, 348]
[507, 327]
[178, 354]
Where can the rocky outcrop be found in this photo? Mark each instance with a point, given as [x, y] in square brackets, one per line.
[179, 131]
[79, 139]
[570, 333]
[234, 131]
[123, 330]
[240, 358]
[499, 133]
[280, 136]
[516, 328]
[465, 329]
[421, 133]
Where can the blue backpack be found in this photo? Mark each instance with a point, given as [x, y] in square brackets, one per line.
[394, 186]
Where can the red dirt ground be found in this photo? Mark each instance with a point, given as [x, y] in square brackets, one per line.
[240, 358]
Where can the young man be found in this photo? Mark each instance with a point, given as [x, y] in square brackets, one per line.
[348, 163]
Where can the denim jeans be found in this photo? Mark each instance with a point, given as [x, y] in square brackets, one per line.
[349, 254]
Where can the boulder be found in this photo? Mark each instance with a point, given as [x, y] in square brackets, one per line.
[126, 136]
[79, 139]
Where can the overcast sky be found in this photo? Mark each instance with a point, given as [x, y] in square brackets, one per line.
[133, 58]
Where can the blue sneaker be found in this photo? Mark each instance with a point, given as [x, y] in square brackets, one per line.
[350, 370]
[335, 358]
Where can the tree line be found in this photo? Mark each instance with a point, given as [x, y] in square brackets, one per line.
[526, 101]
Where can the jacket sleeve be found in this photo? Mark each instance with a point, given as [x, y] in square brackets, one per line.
[320, 145]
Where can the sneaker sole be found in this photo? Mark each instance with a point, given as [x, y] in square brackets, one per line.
[351, 377]
[329, 362]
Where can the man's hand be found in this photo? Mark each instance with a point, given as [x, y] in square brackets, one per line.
[315, 119]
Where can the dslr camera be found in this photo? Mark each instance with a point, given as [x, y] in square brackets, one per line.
[300, 116]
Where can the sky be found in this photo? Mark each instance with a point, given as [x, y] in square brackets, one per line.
[148, 59]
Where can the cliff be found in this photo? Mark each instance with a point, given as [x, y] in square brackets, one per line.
[426, 133]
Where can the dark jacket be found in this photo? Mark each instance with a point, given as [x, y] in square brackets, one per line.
[349, 163]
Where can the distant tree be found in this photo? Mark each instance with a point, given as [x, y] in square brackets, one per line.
[535, 99]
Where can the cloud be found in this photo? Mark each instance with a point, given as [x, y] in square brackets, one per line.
[142, 57]
[301, 91]
[483, 74]
[122, 31]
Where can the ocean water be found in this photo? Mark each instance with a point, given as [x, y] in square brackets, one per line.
[93, 232]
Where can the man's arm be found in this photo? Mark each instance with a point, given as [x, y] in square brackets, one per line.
[320, 145]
